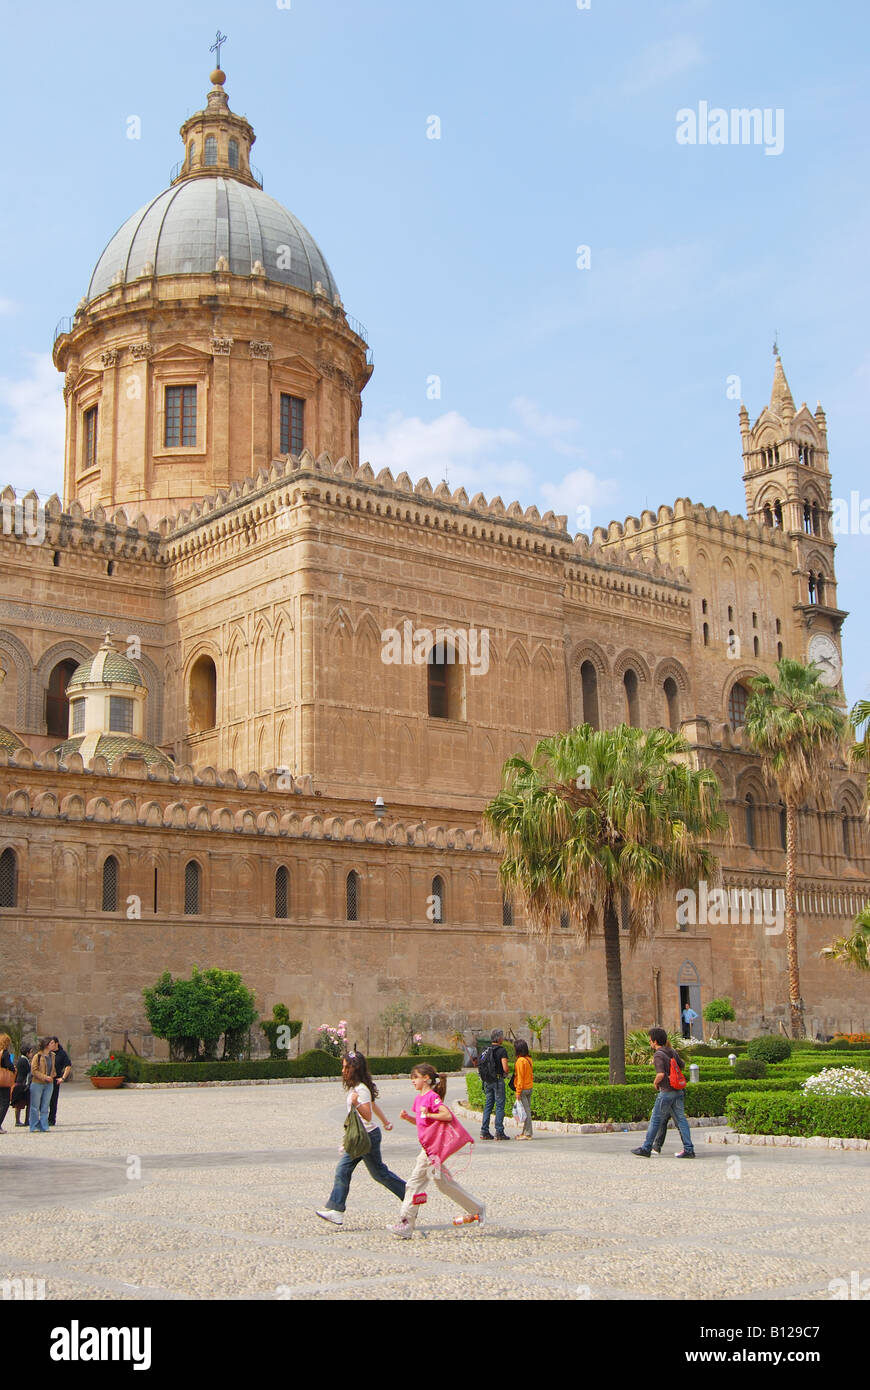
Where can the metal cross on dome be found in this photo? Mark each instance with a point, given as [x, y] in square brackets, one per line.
[216, 46]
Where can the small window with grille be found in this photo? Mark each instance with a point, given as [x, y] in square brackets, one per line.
[292, 424]
[110, 884]
[78, 717]
[179, 425]
[507, 912]
[281, 891]
[8, 878]
[564, 921]
[120, 714]
[192, 877]
[351, 893]
[438, 899]
[210, 149]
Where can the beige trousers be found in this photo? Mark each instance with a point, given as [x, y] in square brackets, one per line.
[424, 1169]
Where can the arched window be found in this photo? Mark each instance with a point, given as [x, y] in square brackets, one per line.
[767, 514]
[706, 634]
[202, 696]
[808, 518]
[351, 897]
[847, 839]
[210, 150]
[110, 884]
[56, 703]
[783, 827]
[564, 921]
[749, 821]
[445, 683]
[507, 912]
[779, 651]
[672, 704]
[282, 891]
[632, 705]
[737, 702]
[438, 909]
[192, 882]
[820, 587]
[233, 154]
[8, 878]
[777, 513]
[191, 154]
[755, 646]
[817, 520]
[589, 684]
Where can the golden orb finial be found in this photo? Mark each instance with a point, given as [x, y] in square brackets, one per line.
[218, 77]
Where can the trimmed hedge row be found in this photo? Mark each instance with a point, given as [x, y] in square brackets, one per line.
[314, 1063]
[599, 1104]
[844, 1117]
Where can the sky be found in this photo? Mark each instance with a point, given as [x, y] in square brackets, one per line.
[559, 293]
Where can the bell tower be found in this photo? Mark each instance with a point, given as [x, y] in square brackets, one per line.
[788, 487]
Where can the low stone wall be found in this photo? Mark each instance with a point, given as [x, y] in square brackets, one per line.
[787, 1141]
[608, 1127]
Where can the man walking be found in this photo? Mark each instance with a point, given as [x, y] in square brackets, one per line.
[62, 1070]
[493, 1068]
[669, 1100]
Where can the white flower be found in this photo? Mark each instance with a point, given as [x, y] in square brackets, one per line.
[838, 1081]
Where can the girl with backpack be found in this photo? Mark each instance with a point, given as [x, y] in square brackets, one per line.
[430, 1111]
[362, 1094]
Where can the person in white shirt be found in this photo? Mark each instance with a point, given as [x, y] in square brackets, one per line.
[362, 1094]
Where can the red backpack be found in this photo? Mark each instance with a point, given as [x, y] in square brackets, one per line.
[676, 1079]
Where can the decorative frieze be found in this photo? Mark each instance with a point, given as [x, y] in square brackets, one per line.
[140, 352]
[111, 357]
[221, 347]
[261, 350]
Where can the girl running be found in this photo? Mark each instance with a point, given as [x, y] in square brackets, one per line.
[361, 1094]
[431, 1087]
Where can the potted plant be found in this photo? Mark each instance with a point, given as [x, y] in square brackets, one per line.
[106, 1075]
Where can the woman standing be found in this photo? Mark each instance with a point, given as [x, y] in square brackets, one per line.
[523, 1081]
[21, 1089]
[7, 1076]
[41, 1086]
[361, 1096]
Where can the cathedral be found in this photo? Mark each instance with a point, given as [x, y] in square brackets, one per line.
[256, 693]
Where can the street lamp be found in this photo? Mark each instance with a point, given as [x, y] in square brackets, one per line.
[380, 808]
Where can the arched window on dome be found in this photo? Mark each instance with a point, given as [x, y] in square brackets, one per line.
[210, 150]
[110, 884]
[8, 878]
[78, 717]
[191, 154]
[233, 154]
[56, 702]
[120, 714]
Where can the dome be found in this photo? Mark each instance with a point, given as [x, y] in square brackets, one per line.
[107, 667]
[10, 741]
[185, 229]
[114, 747]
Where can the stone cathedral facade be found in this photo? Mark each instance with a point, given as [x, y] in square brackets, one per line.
[206, 759]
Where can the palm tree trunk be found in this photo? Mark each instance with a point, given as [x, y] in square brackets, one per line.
[794, 983]
[613, 968]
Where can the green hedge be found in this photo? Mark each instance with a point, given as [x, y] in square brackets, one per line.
[598, 1104]
[314, 1063]
[845, 1117]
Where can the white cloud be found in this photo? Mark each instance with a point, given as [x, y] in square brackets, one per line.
[32, 428]
[495, 461]
[7, 306]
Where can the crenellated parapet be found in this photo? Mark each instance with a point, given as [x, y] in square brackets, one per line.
[25, 518]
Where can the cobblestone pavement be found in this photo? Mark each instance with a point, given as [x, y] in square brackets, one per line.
[224, 1207]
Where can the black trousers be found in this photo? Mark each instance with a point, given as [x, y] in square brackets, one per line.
[5, 1093]
[52, 1105]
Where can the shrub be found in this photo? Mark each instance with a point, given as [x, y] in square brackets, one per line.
[271, 1026]
[314, 1063]
[441, 1061]
[769, 1048]
[846, 1117]
[840, 1038]
[599, 1104]
[197, 1011]
[750, 1068]
[719, 1011]
[109, 1066]
[838, 1081]
[333, 1041]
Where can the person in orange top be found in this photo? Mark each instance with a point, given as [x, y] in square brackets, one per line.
[523, 1080]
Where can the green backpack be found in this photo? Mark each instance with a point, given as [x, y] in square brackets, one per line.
[356, 1140]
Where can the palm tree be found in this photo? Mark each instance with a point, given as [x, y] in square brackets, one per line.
[853, 950]
[860, 719]
[597, 818]
[794, 724]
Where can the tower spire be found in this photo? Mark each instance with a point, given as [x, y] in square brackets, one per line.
[781, 400]
[216, 140]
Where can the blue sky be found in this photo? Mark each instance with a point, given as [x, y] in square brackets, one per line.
[560, 386]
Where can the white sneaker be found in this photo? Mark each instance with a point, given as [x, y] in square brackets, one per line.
[403, 1229]
[334, 1216]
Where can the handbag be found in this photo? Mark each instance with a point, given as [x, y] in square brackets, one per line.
[356, 1138]
[443, 1138]
[7, 1077]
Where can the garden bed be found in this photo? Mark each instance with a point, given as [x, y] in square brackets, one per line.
[309, 1065]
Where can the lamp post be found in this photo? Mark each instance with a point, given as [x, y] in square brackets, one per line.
[380, 808]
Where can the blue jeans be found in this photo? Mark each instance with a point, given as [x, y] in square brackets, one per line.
[377, 1168]
[40, 1099]
[669, 1106]
[493, 1095]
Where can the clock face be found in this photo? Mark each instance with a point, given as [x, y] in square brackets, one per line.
[822, 651]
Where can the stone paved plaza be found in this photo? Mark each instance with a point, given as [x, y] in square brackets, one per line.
[230, 1177]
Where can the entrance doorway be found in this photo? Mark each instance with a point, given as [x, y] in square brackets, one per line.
[689, 986]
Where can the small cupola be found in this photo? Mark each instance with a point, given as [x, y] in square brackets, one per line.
[217, 141]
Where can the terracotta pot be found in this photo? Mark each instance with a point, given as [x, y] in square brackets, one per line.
[107, 1083]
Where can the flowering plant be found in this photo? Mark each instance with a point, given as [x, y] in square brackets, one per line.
[414, 1047]
[109, 1066]
[838, 1081]
[332, 1040]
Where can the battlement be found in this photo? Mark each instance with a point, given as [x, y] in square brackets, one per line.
[735, 526]
[47, 524]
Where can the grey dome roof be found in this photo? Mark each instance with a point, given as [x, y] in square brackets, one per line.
[186, 228]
